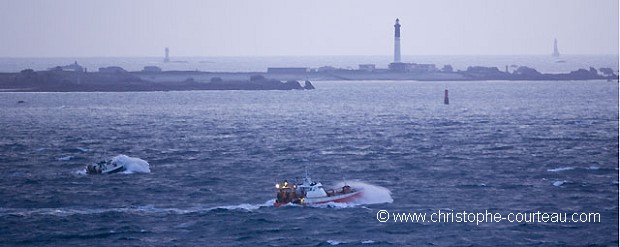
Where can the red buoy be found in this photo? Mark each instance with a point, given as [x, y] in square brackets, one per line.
[446, 101]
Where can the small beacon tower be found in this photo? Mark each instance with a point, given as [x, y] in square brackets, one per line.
[167, 57]
[397, 42]
[556, 53]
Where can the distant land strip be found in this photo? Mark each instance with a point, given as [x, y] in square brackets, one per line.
[74, 78]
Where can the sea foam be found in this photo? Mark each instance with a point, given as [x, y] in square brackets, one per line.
[245, 206]
[561, 169]
[65, 158]
[559, 183]
[131, 164]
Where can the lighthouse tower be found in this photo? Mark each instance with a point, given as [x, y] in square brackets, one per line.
[556, 53]
[167, 57]
[397, 42]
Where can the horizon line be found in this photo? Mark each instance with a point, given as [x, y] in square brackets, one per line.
[258, 56]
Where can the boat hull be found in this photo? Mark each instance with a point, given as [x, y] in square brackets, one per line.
[104, 168]
[343, 198]
[114, 170]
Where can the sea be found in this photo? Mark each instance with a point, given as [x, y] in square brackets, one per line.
[201, 166]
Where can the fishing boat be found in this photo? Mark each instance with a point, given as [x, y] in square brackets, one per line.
[104, 167]
[309, 192]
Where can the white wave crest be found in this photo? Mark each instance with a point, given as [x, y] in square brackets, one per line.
[335, 242]
[559, 183]
[338, 242]
[131, 164]
[561, 169]
[65, 158]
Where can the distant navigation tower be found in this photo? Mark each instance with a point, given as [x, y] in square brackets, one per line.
[397, 42]
[556, 53]
[167, 57]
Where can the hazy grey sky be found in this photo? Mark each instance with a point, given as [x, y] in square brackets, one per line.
[44, 28]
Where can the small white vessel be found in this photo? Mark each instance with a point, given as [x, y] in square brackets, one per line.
[104, 167]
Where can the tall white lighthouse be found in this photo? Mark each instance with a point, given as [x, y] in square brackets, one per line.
[167, 57]
[397, 42]
[556, 53]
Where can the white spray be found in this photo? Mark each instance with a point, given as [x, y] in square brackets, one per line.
[132, 165]
[372, 194]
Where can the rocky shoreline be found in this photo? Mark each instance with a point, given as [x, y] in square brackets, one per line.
[116, 79]
[71, 81]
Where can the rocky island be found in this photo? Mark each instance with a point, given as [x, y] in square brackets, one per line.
[116, 79]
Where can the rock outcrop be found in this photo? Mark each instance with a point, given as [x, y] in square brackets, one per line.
[308, 85]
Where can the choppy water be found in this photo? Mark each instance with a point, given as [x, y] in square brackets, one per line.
[214, 155]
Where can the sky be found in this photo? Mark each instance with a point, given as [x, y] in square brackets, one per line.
[143, 28]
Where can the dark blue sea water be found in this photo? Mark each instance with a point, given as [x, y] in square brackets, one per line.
[214, 156]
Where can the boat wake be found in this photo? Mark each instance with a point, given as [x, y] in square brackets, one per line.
[372, 194]
[140, 210]
[245, 206]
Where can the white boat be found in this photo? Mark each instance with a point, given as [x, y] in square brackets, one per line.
[104, 167]
[310, 192]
